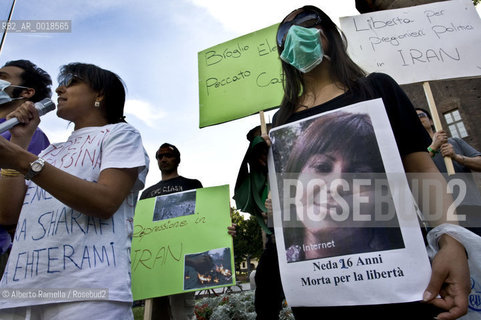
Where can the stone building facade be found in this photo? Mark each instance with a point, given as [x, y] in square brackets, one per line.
[458, 102]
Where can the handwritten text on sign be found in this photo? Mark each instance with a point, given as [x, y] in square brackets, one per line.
[429, 42]
[57, 239]
[57, 258]
[160, 247]
[239, 77]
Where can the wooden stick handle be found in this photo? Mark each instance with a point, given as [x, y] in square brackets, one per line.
[437, 122]
[263, 123]
[148, 309]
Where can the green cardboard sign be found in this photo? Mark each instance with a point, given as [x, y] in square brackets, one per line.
[239, 77]
[180, 243]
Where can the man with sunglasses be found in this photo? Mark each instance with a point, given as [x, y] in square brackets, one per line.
[168, 159]
[178, 306]
[466, 159]
[21, 81]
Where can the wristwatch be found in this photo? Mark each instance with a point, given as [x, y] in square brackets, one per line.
[35, 168]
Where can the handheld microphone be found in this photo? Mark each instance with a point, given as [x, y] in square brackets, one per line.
[43, 106]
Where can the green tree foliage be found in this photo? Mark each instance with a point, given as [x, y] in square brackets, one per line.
[248, 239]
[476, 2]
[285, 139]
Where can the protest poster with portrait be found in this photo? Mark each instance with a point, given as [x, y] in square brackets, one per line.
[180, 243]
[344, 217]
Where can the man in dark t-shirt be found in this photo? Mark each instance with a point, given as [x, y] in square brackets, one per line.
[168, 159]
[466, 160]
[178, 306]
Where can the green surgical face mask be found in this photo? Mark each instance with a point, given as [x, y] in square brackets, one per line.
[302, 48]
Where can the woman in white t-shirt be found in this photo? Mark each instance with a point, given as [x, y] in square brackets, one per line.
[74, 204]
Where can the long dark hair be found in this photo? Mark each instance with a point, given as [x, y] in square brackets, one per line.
[349, 134]
[341, 67]
[103, 81]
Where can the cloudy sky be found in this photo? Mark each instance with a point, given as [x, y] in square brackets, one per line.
[153, 46]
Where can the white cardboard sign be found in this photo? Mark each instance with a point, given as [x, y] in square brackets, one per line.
[436, 41]
[338, 247]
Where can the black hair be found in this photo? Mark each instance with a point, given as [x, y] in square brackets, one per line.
[32, 77]
[352, 137]
[105, 82]
[425, 111]
[341, 67]
[349, 134]
[429, 117]
[172, 148]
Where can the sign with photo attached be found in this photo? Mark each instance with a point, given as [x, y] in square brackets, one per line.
[180, 243]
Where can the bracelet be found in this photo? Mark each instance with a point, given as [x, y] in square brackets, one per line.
[10, 173]
[431, 150]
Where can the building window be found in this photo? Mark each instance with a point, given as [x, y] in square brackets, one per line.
[455, 124]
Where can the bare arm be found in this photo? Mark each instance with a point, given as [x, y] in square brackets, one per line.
[473, 163]
[13, 188]
[100, 199]
[12, 193]
[450, 272]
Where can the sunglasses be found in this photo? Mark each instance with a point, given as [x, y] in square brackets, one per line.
[69, 80]
[159, 156]
[305, 18]
[422, 115]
